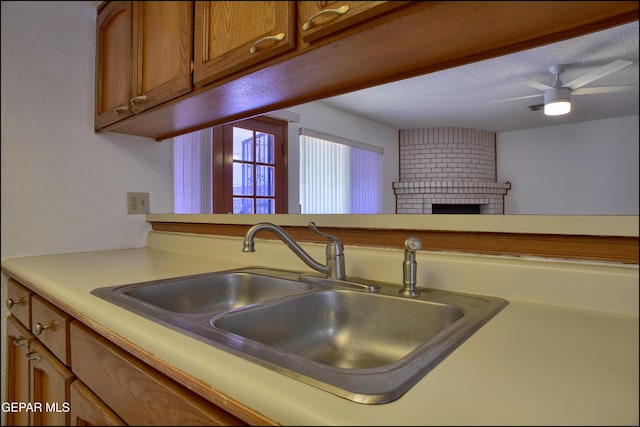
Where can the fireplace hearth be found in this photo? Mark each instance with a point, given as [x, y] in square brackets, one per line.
[448, 166]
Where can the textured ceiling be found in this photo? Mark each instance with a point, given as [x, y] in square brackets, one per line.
[465, 96]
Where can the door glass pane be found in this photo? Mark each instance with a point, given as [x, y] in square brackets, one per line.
[264, 148]
[242, 205]
[242, 144]
[265, 185]
[265, 206]
[242, 179]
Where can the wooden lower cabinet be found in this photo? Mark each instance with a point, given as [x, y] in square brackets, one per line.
[18, 342]
[62, 372]
[138, 393]
[18, 300]
[88, 410]
[49, 383]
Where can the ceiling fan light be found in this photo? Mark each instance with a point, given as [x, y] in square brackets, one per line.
[557, 101]
[557, 108]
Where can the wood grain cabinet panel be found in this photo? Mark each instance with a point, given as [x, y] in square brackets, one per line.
[232, 35]
[138, 393]
[317, 19]
[113, 64]
[49, 381]
[144, 53]
[162, 52]
[88, 410]
[18, 344]
[51, 326]
[19, 302]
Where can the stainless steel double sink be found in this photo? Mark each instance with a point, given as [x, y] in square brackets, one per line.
[358, 339]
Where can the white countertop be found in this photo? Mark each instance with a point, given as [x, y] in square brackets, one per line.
[532, 364]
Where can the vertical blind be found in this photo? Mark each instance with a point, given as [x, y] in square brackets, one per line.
[193, 172]
[338, 175]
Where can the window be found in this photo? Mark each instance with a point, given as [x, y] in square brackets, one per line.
[338, 175]
[237, 168]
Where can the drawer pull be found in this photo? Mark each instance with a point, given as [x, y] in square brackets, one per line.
[21, 342]
[33, 356]
[40, 328]
[277, 38]
[138, 98]
[11, 302]
[339, 11]
[122, 109]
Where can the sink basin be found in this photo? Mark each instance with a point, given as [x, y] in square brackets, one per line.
[213, 293]
[343, 329]
[357, 338]
[206, 293]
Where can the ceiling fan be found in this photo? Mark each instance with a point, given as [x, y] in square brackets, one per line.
[557, 98]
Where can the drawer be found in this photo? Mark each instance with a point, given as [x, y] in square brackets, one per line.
[19, 302]
[136, 392]
[51, 326]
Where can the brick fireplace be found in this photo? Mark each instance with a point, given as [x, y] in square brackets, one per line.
[448, 166]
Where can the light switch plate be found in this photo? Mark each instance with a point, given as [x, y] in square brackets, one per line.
[138, 203]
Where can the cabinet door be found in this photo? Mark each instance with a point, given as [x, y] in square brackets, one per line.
[317, 19]
[162, 52]
[88, 410]
[232, 35]
[139, 394]
[113, 63]
[49, 382]
[18, 342]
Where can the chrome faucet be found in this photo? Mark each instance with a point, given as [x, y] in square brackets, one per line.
[409, 267]
[334, 269]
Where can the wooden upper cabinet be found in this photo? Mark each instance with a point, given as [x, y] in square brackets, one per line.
[232, 35]
[317, 19]
[113, 63]
[144, 52]
[162, 40]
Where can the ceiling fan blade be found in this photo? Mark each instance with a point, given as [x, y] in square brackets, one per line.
[534, 84]
[603, 89]
[598, 73]
[514, 99]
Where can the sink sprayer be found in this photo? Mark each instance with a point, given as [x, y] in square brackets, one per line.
[409, 267]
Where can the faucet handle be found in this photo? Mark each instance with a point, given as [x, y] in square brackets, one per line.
[413, 244]
[312, 226]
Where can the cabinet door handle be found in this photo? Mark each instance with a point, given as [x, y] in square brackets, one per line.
[33, 356]
[11, 302]
[277, 38]
[20, 342]
[40, 328]
[339, 11]
[138, 98]
[122, 109]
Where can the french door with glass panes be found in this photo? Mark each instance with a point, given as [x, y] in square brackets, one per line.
[254, 167]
